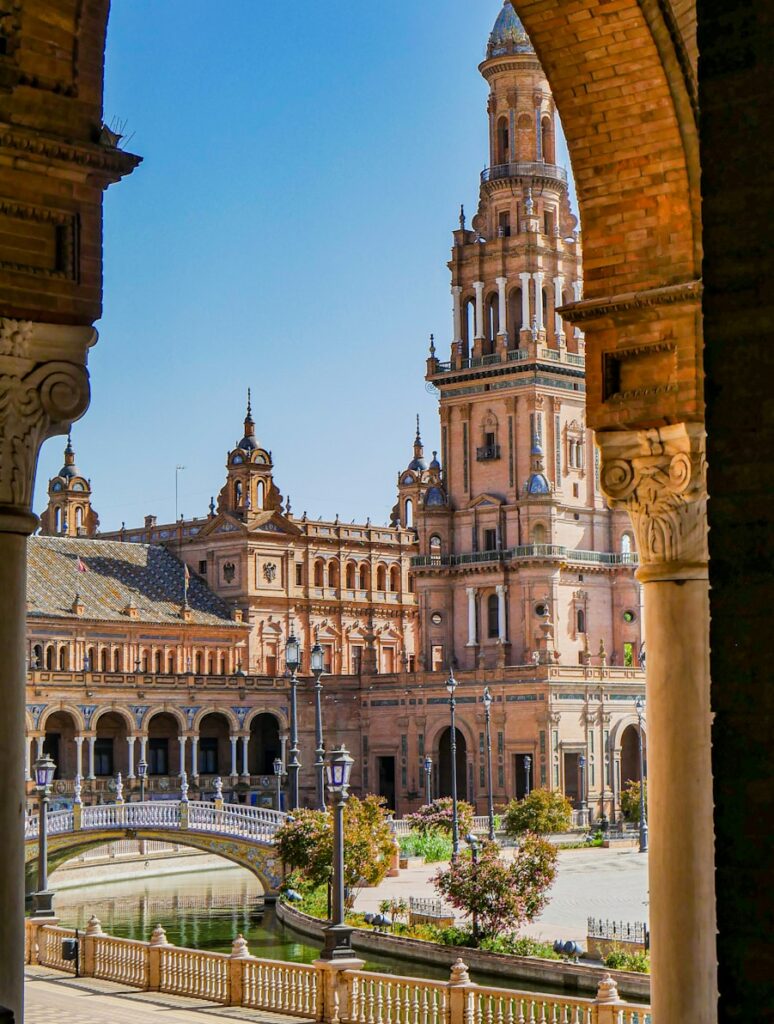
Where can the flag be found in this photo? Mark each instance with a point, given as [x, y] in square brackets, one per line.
[81, 567]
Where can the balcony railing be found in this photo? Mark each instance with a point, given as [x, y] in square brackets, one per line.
[522, 169]
[553, 551]
[488, 453]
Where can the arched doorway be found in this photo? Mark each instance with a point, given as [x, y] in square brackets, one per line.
[630, 754]
[264, 744]
[163, 750]
[111, 753]
[444, 765]
[59, 743]
[214, 746]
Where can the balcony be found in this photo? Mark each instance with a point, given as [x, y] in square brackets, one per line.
[488, 453]
[522, 169]
[545, 551]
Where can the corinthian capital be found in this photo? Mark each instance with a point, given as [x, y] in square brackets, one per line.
[44, 386]
[659, 477]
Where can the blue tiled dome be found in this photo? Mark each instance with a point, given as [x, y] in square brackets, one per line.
[508, 35]
[434, 497]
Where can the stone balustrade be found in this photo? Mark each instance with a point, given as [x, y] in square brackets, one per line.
[323, 991]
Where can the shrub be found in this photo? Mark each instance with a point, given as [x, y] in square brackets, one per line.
[620, 960]
[516, 945]
[434, 845]
[542, 811]
[438, 816]
[630, 801]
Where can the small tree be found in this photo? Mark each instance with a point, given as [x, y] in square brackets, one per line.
[630, 800]
[502, 895]
[437, 816]
[305, 844]
[542, 811]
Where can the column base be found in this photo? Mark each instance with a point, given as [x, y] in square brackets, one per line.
[42, 903]
[337, 944]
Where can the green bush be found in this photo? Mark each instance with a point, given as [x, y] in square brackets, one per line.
[630, 801]
[454, 935]
[434, 846]
[620, 960]
[541, 812]
[516, 945]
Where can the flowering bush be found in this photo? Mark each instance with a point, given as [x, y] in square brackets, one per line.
[502, 895]
[438, 815]
[541, 811]
[630, 800]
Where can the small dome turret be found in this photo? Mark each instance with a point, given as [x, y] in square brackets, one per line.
[69, 470]
[418, 463]
[508, 35]
[249, 442]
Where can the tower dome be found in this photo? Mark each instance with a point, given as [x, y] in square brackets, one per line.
[249, 442]
[69, 470]
[508, 35]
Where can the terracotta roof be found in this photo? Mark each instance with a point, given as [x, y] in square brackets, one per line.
[117, 575]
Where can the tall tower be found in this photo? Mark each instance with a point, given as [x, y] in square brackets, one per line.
[69, 512]
[249, 489]
[520, 559]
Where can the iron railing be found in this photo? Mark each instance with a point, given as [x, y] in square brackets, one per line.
[524, 169]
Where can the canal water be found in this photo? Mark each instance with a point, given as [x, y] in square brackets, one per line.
[206, 910]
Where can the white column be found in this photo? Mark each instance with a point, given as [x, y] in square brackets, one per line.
[182, 740]
[501, 305]
[479, 287]
[471, 591]
[558, 327]
[27, 773]
[92, 740]
[130, 743]
[39, 741]
[283, 747]
[245, 772]
[195, 757]
[538, 275]
[79, 756]
[501, 627]
[577, 290]
[457, 311]
[144, 748]
[233, 742]
[526, 315]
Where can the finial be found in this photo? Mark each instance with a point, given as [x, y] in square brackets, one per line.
[249, 406]
[288, 507]
[462, 217]
[432, 346]
[69, 448]
[212, 505]
[417, 425]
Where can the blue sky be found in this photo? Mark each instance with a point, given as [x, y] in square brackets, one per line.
[288, 229]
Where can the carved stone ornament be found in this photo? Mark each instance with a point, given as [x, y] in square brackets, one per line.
[659, 477]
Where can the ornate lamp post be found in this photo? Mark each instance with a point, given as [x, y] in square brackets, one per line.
[428, 779]
[639, 705]
[472, 842]
[527, 769]
[142, 772]
[292, 662]
[337, 933]
[487, 699]
[583, 805]
[44, 776]
[277, 765]
[317, 659]
[451, 686]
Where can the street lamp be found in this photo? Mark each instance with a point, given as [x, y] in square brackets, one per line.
[451, 686]
[292, 662]
[317, 661]
[487, 698]
[472, 842]
[582, 766]
[639, 705]
[337, 934]
[44, 776]
[428, 779]
[142, 773]
[527, 768]
[278, 776]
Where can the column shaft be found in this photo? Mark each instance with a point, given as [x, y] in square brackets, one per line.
[501, 618]
[92, 740]
[233, 741]
[194, 756]
[471, 616]
[457, 311]
[479, 287]
[245, 771]
[182, 741]
[130, 768]
[502, 311]
[558, 326]
[539, 299]
[526, 316]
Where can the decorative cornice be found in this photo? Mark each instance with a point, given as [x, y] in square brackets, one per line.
[587, 310]
[113, 162]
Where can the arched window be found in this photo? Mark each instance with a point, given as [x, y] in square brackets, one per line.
[493, 616]
[259, 494]
[435, 549]
[37, 656]
[502, 151]
[363, 577]
[170, 663]
[469, 321]
[89, 665]
[198, 663]
[626, 544]
[103, 660]
[222, 664]
[381, 578]
[63, 659]
[514, 314]
[157, 663]
[57, 520]
[538, 534]
[333, 574]
[581, 621]
[394, 579]
[350, 576]
[145, 662]
[492, 319]
[238, 493]
[408, 512]
[319, 573]
[49, 657]
[79, 517]
[116, 660]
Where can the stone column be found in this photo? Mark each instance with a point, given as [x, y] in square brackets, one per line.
[79, 756]
[538, 276]
[658, 476]
[144, 748]
[195, 757]
[92, 740]
[457, 311]
[558, 326]
[472, 641]
[43, 388]
[182, 740]
[245, 764]
[479, 288]
[39, 741]
[502, 309]
[501, 620]
[526, 315]
[130, 740]
[233, 742]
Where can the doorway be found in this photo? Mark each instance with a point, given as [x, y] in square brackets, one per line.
[444, 765]
[385, 772]
[572, 786]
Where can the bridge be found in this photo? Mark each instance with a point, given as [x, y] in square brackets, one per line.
[241, 834]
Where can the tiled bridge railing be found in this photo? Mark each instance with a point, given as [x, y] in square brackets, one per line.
[323, 991]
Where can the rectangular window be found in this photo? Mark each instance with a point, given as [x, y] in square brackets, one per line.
[271, 664]
[365, 746]
[591, 742]
[542, 742]
[543, 775]
[203, 567]
[436, 657]
[500, 743]
[556, 740]
[500, 776]
[103, 757]
[299, 574]
[421, 744]
[504, 224]
[404, 744]
[481, 780]
[481, 743]
[575, 491]
[357, 660]
[208, 755]
[158, 756]
[490, 540]
[549, 222]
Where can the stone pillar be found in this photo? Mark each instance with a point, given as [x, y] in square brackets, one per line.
[526, 314]
[479, 288]
[659, 477]
[39, 741]
[245, 763]
[43, 388]
[92, 740]
[233, 742]
[144, 748]
[182, 740]
[457, 312]
[472, 641]
[502, 307]
[194, 757]
[538, 276]
[558, 325]
[130, 740]
[79, 756]
[501, 619]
